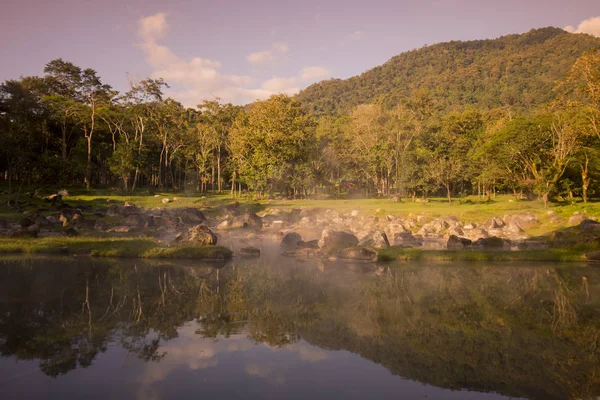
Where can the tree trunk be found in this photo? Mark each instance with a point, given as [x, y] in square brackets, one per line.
[219, 169]
[449, 192]
[88, 169]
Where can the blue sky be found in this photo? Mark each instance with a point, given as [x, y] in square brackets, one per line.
[244, 50]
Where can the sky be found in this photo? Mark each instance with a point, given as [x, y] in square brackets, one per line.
[244, 50]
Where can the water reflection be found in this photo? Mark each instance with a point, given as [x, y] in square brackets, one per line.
[285, 328]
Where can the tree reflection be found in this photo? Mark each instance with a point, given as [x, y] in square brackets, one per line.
[521, 331]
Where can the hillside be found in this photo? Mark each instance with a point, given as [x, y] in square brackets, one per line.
[518, 70]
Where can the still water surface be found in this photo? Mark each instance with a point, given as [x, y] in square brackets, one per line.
[281, 328]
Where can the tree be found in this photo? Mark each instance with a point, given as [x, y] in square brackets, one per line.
[269, 140]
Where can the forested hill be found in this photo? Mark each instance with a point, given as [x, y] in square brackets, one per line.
[517, 70]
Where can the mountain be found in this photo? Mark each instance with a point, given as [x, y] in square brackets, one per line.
[519, 70]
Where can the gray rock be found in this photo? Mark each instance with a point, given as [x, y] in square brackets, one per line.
[577, 219]
[589, 226]
[376, 239]
[100, 226]
[455, 243]
[192, 216]
[593, 256]
[253, 221]
[134, 221]
[290, 241]
[513, 227]
[25, 222]
[493, 223]
[336, 240]
[524, 220]
[199, 235]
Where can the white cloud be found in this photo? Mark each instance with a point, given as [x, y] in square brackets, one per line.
[281, 85]
[154, 27]
[200, 78]
[590, 26]
[275, 53]
[313, 73]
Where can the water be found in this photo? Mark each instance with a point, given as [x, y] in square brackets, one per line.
[282, 328]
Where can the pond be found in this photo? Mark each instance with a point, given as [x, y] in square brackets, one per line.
[278, 328]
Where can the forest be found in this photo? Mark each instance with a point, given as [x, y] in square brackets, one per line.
[519, 114]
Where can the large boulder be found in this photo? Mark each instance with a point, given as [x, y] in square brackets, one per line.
[199, 235]
[291, 241]
[25, 222]
[577, 219]
[336, 240]
[376, 239]
[524, 220]
[513, 227]
[455, 242]
[192, 216]
[357, 254]
[253, 221]
[492, 242]
[589, 226]
[493, 223]
[593, 256]
[134, 221]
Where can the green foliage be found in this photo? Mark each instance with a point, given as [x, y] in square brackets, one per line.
[514, 70]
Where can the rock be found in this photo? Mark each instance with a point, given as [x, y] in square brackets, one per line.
[253, 221]
[290, 241]
[100, 226]
[335, 240]
[238, 222]
[199, 235]
[129, 204]
[113, 211]
[192, 216]
[491, 242]
[455, 242]
[589, 226]
[376, 239]
[406, 239]
[311, 244]
[454, 230]
[593, 256]
[354, 213]
[513, 227]
[577, 219]
[493, 223]
[41, 221]
[470, 225]
[71, 232]
[524, 220]
[25, 222]
[357, 254]
[223, 225]
[134, 221]
[165, 200]
[249, 252]
[24, 234]
[478, 233]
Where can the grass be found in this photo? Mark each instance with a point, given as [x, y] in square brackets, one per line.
[566, 254]
[110, 247]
